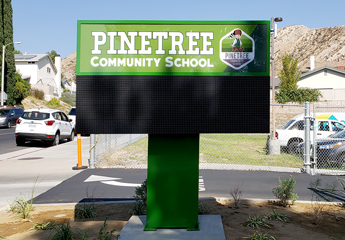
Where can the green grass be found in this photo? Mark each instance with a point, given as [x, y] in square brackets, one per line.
[248, 149]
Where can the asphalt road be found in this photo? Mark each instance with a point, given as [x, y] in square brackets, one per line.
[103, 185]
[8, 142]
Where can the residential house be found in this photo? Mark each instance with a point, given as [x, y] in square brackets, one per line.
[329, 81]
[41, 72]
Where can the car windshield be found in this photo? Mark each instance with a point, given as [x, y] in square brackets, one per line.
[288, 124]
[4, 112]
[340, 134]
[73, 111]
[35, 115]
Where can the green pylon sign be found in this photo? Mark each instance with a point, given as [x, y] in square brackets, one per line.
[173, 182]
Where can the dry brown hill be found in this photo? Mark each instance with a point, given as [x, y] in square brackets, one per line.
[327, 45]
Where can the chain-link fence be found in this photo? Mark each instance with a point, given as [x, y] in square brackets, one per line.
[328, 141]
[234, 151]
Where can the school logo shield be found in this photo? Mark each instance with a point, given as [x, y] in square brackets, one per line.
[237, 49]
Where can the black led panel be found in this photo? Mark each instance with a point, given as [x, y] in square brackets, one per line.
[172, 104]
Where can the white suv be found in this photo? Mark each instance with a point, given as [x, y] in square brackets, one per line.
[292, 134]
[48, 125]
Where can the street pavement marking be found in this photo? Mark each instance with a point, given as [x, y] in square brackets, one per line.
[201, 184]
[6, 133]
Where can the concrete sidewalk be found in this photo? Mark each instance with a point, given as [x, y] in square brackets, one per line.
[47, 167]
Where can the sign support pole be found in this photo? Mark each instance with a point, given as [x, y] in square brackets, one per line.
[173, 182]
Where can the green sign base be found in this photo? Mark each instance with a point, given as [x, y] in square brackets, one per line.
[173, 182]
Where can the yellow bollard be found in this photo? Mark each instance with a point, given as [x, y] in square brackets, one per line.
[79, 164]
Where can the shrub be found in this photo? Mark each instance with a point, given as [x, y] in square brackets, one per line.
[141, 192]
[298, 95]
[68, 98]
[86, 211]
[39, 94]
[140, 198]
[54, 103]
[285, 191]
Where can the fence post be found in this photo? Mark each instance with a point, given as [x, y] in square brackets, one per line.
[92, 151]
[315, 129]
[307, 137]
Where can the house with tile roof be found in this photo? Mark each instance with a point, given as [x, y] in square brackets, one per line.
[41, 72]
[329, 81]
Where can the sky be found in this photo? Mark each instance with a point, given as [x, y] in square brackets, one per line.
[45, 25]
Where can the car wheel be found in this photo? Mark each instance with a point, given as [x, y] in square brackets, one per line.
[341, 161]
[56, 140]
[20, 141]
[71, 138]
[9, 124]
[293, 147]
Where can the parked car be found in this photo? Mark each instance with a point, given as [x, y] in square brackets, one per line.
[48, 125]
[330, 152]
[292, 134]
[9, 116]
[72, 114]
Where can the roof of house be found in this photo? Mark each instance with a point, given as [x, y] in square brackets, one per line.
[321, 69]
[47, 82]
[33, 58]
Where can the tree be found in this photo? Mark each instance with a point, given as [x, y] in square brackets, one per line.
[17, 51]
[288, 89]
[10, 68]
[52, 55]
[289, 74]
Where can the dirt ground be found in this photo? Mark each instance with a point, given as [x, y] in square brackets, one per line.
[299, 225]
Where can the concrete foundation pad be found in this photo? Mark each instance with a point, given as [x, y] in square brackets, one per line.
[211, 227]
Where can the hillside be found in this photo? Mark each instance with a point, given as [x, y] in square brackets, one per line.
[31, 102]
[327, 45]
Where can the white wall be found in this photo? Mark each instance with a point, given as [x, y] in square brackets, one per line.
[43, 64]
[28, 70]
[328, 79]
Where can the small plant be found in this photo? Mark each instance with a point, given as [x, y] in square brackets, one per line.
[256, 222]
[63, 232]
[43, 226]
[85, 235]
[260, 236]
[141, 192]
[23, 206]
[138, 209]
[236, 193]
[319, 208]
[103, 234]
[275, 216]
[319, 211]
[203, 209]
[141, 199]
[86, 211]
[285, 191]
